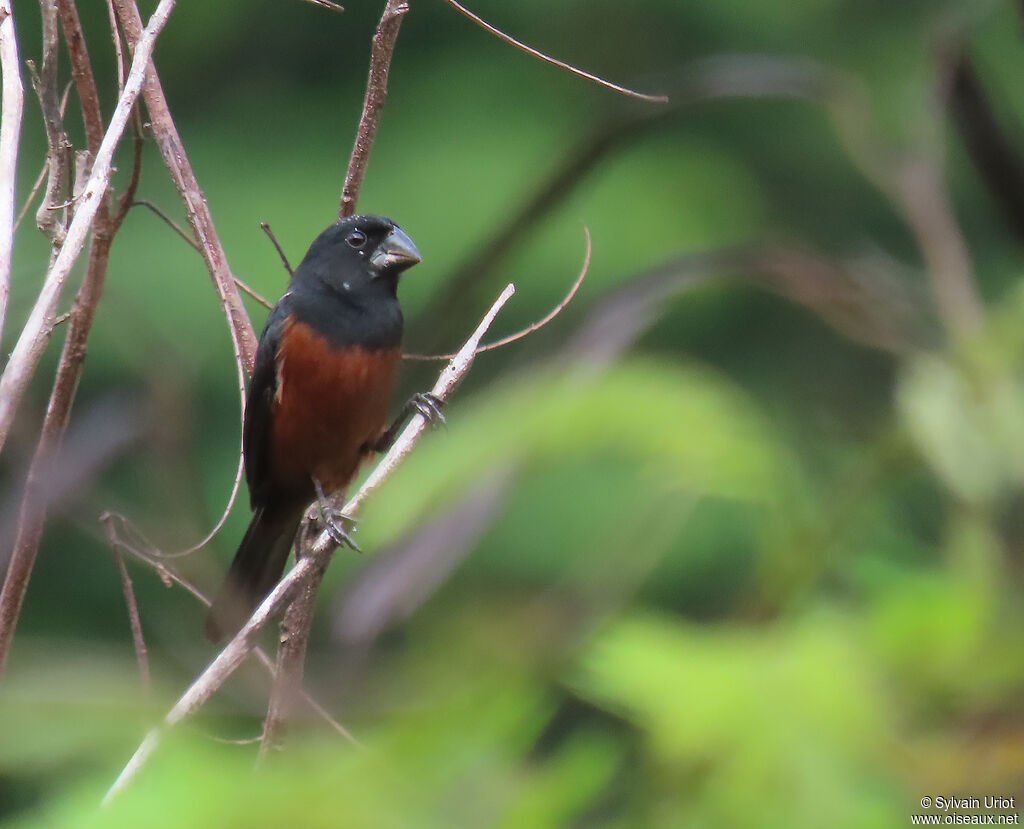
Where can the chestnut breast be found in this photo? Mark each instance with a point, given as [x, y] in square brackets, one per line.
[330, 403]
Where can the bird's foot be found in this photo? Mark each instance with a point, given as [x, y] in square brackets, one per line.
[430, 406]
[340, 527]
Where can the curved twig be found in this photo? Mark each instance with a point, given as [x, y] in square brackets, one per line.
[507, 38]
[511, 338]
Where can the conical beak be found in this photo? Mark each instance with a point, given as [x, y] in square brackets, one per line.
[396, 253]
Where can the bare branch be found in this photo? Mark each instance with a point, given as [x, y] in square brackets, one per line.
[291, 658]
[58, 147]
[10, 136]
[498, 33]
[115, 36]
[141, 654]
[192, 243]
[236, 650]
[376, 92]
[168, 575]
[37, 330]
[81, 72]
[511, 338]
[32, 194]
[280, 251]
[327, 4]
[173, 225]
[172, 149]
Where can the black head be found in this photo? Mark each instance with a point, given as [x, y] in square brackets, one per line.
[360, 254]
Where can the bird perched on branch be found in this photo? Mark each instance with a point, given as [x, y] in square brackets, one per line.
[318, 400]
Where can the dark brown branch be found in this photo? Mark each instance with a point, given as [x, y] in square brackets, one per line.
[498, 33]
[995, 157]
[280, 251]
[376, 92]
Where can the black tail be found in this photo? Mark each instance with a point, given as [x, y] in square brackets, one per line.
[254, 571]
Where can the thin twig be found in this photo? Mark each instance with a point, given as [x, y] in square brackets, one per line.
[10, 134]
[498, 33]
[58, 147]
[138, 640]
[115, 37]
[236, 650]
[32, 194]
[511, 338]
[376, 92]
[36, 333]
[192, 243]
[173, 225]
[280, 251]
[327, 4]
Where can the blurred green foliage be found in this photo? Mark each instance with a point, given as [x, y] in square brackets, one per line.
[749, 572]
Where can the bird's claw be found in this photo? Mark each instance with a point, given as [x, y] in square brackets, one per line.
[334, 521]
[428, 405]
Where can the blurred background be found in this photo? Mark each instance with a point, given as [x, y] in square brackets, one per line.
[735, 541]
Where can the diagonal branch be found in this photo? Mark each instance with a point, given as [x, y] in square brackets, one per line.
[243, 337]
[10, 135]
[238, 648]
[568, 67]
[168, 575]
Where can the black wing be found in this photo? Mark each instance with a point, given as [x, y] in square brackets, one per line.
[259, 407]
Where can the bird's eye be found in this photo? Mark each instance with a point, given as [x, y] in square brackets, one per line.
[356, 239]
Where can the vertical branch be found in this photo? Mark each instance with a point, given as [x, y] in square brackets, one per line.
[10, 134]
[134, 619]
[376, 92]
[291, 658]
[58, 148]
[172, 149]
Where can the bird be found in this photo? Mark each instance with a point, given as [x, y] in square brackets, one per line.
[318, 400]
